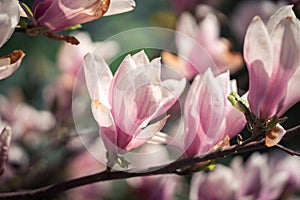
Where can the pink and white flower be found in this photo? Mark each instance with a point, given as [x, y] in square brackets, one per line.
[124, 104]
[272, 54]
[200, 46]
[208, 115]
[57, 15]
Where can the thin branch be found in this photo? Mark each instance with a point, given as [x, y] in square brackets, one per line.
[172, 168]
[287, 150]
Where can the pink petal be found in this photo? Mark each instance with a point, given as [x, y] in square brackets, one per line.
[257, 46]
[187, 28]
[98, 78]
[209, 31]
[204, 114]
[63, 13]
[258, 86]
[127, 94]
[214, 96]
[292, 93]
[106, 123]
[127, 65]
[146, 134]
[286, 47]
[235, 122]
[141, 59]
[10, 63]
[120, 6]
[171, 91]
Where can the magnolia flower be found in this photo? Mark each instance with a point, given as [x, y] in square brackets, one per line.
[125, 104]
[272, 54]
[57, 15]
[9, 18]
[274, 176]
[220, 184]
[208, 116]
[262, 179]
[200, 46]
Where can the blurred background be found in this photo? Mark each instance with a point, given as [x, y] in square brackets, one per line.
[36, 101]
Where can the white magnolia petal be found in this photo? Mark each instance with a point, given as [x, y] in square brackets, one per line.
[141, 59]
[286, 47]
[98, 78]
[120, 6]
[292, 93]
[9, 18]
[278, 16]
[147, 133]
[187, 29]
[9, 64]
[257, 45]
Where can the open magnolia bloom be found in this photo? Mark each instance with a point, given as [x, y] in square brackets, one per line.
[9, 18]
[209, 117]
[272, 56]
[125, 104]
[200, 46]
[56, 15]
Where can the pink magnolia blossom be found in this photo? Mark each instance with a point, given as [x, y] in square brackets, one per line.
[272, 56]
[208, 115]
[268, 178]
[57, 15]
[9, 18]
[220, 184]
[125, 104]
[263, 177]
[200, 46]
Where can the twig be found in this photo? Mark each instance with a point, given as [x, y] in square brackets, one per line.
[287, 150]
[172, 168]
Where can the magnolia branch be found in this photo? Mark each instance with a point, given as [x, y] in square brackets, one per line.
[172, 168]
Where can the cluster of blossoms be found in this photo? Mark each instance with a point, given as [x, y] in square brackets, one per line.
[262, 177]
[124, 104]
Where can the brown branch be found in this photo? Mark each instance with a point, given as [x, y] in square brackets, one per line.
[171, 168]
[287, 150]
